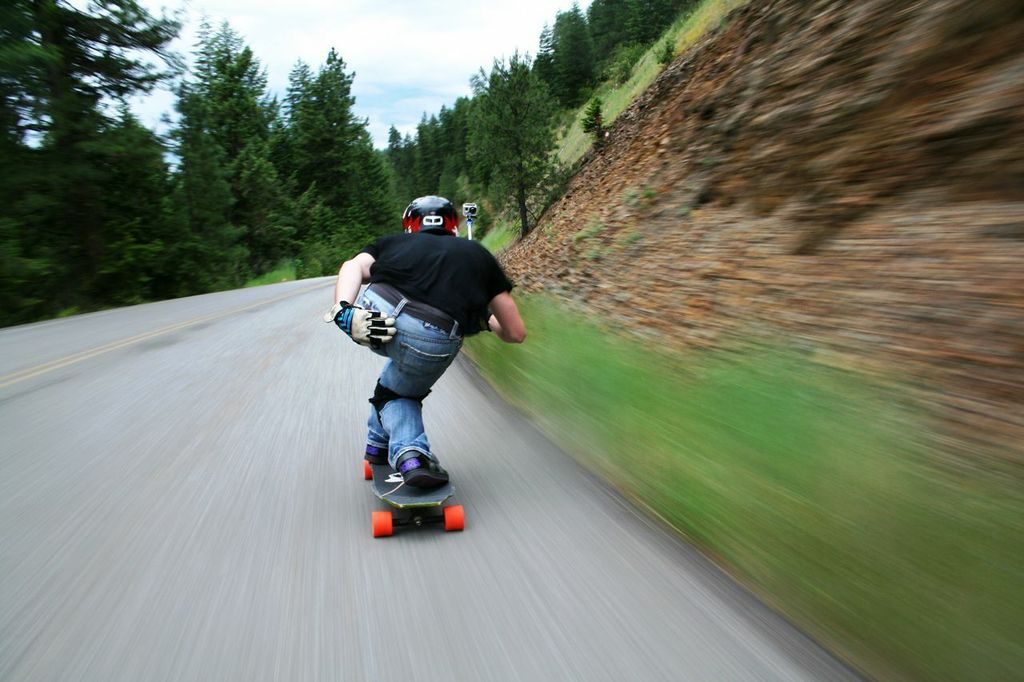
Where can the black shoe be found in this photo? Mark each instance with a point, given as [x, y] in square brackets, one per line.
[420, 471]
[375, 455]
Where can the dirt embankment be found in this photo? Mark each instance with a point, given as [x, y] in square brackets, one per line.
[846, 176]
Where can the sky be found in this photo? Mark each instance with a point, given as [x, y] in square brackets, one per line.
[409, 57]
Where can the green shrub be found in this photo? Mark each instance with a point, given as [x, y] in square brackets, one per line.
[593, 123]
[667, 53]
[623, 59]
[284, 272]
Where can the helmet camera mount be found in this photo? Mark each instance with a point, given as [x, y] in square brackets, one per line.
[469, 212]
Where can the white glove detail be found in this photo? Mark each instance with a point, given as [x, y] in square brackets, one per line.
[365, 327]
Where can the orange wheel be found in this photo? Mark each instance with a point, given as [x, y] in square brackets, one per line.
[367, 471]
[454, 517]
[381, 524]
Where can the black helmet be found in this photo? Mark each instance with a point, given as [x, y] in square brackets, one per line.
[430, 212]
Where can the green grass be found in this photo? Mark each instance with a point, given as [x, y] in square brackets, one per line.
[708, 15]
[285, 272]
[683, 34]
[594, 227]
[500, 235]
[68, 312]
[809, 484]
[632, 237]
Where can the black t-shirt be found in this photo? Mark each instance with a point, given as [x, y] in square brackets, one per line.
[455, 275]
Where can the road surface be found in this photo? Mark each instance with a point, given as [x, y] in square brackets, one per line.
[181, 499]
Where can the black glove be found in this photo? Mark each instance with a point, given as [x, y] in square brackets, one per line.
[365, 327]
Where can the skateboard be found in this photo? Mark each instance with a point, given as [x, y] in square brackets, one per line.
[411, 506]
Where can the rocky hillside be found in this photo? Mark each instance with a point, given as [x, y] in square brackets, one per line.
[847, 177]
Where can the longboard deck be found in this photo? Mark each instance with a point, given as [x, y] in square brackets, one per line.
[389, 487]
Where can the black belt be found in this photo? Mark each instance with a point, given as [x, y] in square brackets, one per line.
[421, 311]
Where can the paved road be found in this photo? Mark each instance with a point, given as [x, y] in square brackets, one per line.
[181, 499]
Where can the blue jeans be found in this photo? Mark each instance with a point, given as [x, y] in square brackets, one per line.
[417, 357]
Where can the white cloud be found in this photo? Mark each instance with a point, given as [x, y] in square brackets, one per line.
[408, 56]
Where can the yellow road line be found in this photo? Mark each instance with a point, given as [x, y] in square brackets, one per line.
[29, 372]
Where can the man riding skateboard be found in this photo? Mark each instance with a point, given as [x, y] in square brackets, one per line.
[428, 290]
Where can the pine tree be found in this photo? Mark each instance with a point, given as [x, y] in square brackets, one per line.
[208, 253]
[232, 86]
[573, 56]
[136, 233]
[28, 259]
[511, 133]
[283, 142]
[261, 203]
[454, 126]
[342, 179]
[228, 98]
[324, 132]
[454, 129]
[401, 160]
[319, 225]
[394, 144]
[544, 64]
[61, 65]
[377, 205]
[593, 122]
[607, 21]
[429, 160]
[648, 18]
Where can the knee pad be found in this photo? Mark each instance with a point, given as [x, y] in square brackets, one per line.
[382, 395]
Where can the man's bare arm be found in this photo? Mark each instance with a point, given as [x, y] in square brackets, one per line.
[354, 273]
[505, 321]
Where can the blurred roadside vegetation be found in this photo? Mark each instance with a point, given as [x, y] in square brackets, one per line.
[285, 272]
[814, 487]
[499, 236]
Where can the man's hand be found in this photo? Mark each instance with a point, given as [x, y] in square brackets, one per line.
[365, 327]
